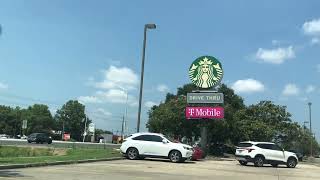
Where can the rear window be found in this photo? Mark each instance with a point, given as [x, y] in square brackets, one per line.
[242, 145]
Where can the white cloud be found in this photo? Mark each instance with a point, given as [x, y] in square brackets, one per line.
[88, 99]
[310, 89]
[312, 27]
[150, 104]
[290, 90]
[113, 95]
[275, 56]
[3, 86]
[248, 86]
[163, 88]
[104, 112]
[114, 88]
[115, 77]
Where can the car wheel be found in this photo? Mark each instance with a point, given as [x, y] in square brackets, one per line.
[132, 153]
[274, 165]
[243, 163]
[49, 142]
[258, 161]
[29, 141]
[291, 163]
[175, 156]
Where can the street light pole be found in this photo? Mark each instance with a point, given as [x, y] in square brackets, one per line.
[309, 104]
[124, 115]
[146, 27]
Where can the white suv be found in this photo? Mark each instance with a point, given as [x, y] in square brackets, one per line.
[264, 153]
[141, 145]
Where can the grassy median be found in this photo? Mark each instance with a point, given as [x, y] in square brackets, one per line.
[23, 155]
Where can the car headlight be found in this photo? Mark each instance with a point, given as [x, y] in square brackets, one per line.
[187, 148]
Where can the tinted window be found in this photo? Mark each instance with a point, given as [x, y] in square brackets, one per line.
[156, 138]
[143, 138]
[276, 147]
[245, 145]
[264, 146]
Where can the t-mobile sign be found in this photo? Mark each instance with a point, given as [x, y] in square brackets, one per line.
[204, 112]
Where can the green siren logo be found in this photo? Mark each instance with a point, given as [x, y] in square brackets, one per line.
[206, 72]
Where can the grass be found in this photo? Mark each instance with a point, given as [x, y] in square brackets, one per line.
[10, 151]
[43, 157]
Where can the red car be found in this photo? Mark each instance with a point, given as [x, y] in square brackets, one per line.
[198, 153]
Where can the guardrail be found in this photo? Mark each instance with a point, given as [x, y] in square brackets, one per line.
[59, 144]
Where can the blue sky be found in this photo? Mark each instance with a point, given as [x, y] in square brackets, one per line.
[53, 51]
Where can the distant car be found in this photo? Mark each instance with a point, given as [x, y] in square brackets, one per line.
[4, 136]
[261, 153]
[141, 145]
[39, 138]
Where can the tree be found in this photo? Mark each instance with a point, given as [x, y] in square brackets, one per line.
[72, 117]
[8, 120]
[39, 119]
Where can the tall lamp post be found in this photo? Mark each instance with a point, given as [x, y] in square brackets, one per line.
[309, 104]
[146, 27]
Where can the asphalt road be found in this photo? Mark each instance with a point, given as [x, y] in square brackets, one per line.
[155, 169]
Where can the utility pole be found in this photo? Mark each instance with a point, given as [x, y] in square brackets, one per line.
[309, 104]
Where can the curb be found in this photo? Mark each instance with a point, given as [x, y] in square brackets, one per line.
[17, 166]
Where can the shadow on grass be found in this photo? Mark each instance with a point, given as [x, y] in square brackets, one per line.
[10, 173]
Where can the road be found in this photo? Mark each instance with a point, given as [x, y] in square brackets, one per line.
[58, 144]
[158, 169]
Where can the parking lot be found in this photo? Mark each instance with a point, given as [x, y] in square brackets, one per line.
[161, 169]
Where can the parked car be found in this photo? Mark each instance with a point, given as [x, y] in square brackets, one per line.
[141, 145]
[261, 153]
[39, 138]
[198, 153]
[4, 136]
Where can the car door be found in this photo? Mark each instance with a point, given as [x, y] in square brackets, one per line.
[273, 152]
[158, 147]
[278, 153]
[142, 143]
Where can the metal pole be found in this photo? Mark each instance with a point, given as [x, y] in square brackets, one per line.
[310, 129]
[141, 79]
[62, 133]
[85, 130]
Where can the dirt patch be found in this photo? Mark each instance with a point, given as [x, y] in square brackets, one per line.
[59, 152]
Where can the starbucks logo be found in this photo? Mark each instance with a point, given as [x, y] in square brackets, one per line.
[206, 72]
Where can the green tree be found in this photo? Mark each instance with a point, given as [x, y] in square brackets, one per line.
[39, 119]
[72, 117]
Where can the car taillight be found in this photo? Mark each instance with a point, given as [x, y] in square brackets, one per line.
[250, 149]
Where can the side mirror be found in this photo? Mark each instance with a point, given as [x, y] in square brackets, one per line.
[164, 141]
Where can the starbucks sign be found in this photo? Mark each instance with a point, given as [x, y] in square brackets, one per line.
[206, 72]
